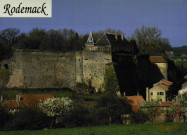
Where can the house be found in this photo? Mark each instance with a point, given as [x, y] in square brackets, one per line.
[162, 64]
[109, 42]
[158, 91]
[25, 101]
[31, 101]
[135, 101]
[11, 105]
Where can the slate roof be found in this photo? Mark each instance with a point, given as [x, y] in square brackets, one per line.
[157, 59]
[103, 41]
[135, 102]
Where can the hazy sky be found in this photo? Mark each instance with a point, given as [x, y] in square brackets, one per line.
[92, 15]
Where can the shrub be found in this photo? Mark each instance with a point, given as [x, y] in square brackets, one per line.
[55, 106]
[29, 119]
[84, 88]
[56, 109]
[110, 108]
[4, 117]
[139, 117]
[78, 116]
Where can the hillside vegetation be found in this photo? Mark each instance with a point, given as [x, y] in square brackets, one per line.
[179, 51]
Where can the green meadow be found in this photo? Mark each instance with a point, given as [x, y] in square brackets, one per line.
[131, 129]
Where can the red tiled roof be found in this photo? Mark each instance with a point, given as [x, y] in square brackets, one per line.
[167, 82]
[135, 100]
[31, 101]
[10, 104]
[163, 87]
[37, 97]
[28, 101]
[157, 59]
[166, 104]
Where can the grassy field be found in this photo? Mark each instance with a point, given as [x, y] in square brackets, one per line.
[139, 129]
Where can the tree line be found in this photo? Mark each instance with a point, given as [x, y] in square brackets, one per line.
[148, 40]
[62, 39]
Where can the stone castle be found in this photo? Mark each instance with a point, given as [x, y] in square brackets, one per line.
[40, 69]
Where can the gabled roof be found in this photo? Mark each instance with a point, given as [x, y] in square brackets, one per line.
[163, 84]
[103, 41]
[157, 59]
[135, 102]
[167, 82]
[163, 87]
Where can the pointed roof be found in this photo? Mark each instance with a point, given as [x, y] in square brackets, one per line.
[90, 38]
[103, 41]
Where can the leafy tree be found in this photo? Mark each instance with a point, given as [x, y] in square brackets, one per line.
[4, 117]
[110, 81]
[9, 35]
[56, 107]
[181, 100]
[139, 117]
[149, 41]
[53, 40]
[110, 108]
[78, 116]
[149, 108]
[7, 40]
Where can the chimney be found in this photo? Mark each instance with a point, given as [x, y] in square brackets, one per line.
[122, 37]
[138, 93]
[116, 36]
[18, 98]
[147, 94]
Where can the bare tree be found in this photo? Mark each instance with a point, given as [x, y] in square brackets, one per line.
[149, 41]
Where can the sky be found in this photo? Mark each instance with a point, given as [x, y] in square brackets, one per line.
[83, 16]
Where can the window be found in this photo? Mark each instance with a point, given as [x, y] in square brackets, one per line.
[161, 93]
[151, 93]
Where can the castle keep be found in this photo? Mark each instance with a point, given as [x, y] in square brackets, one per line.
[41, 69]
